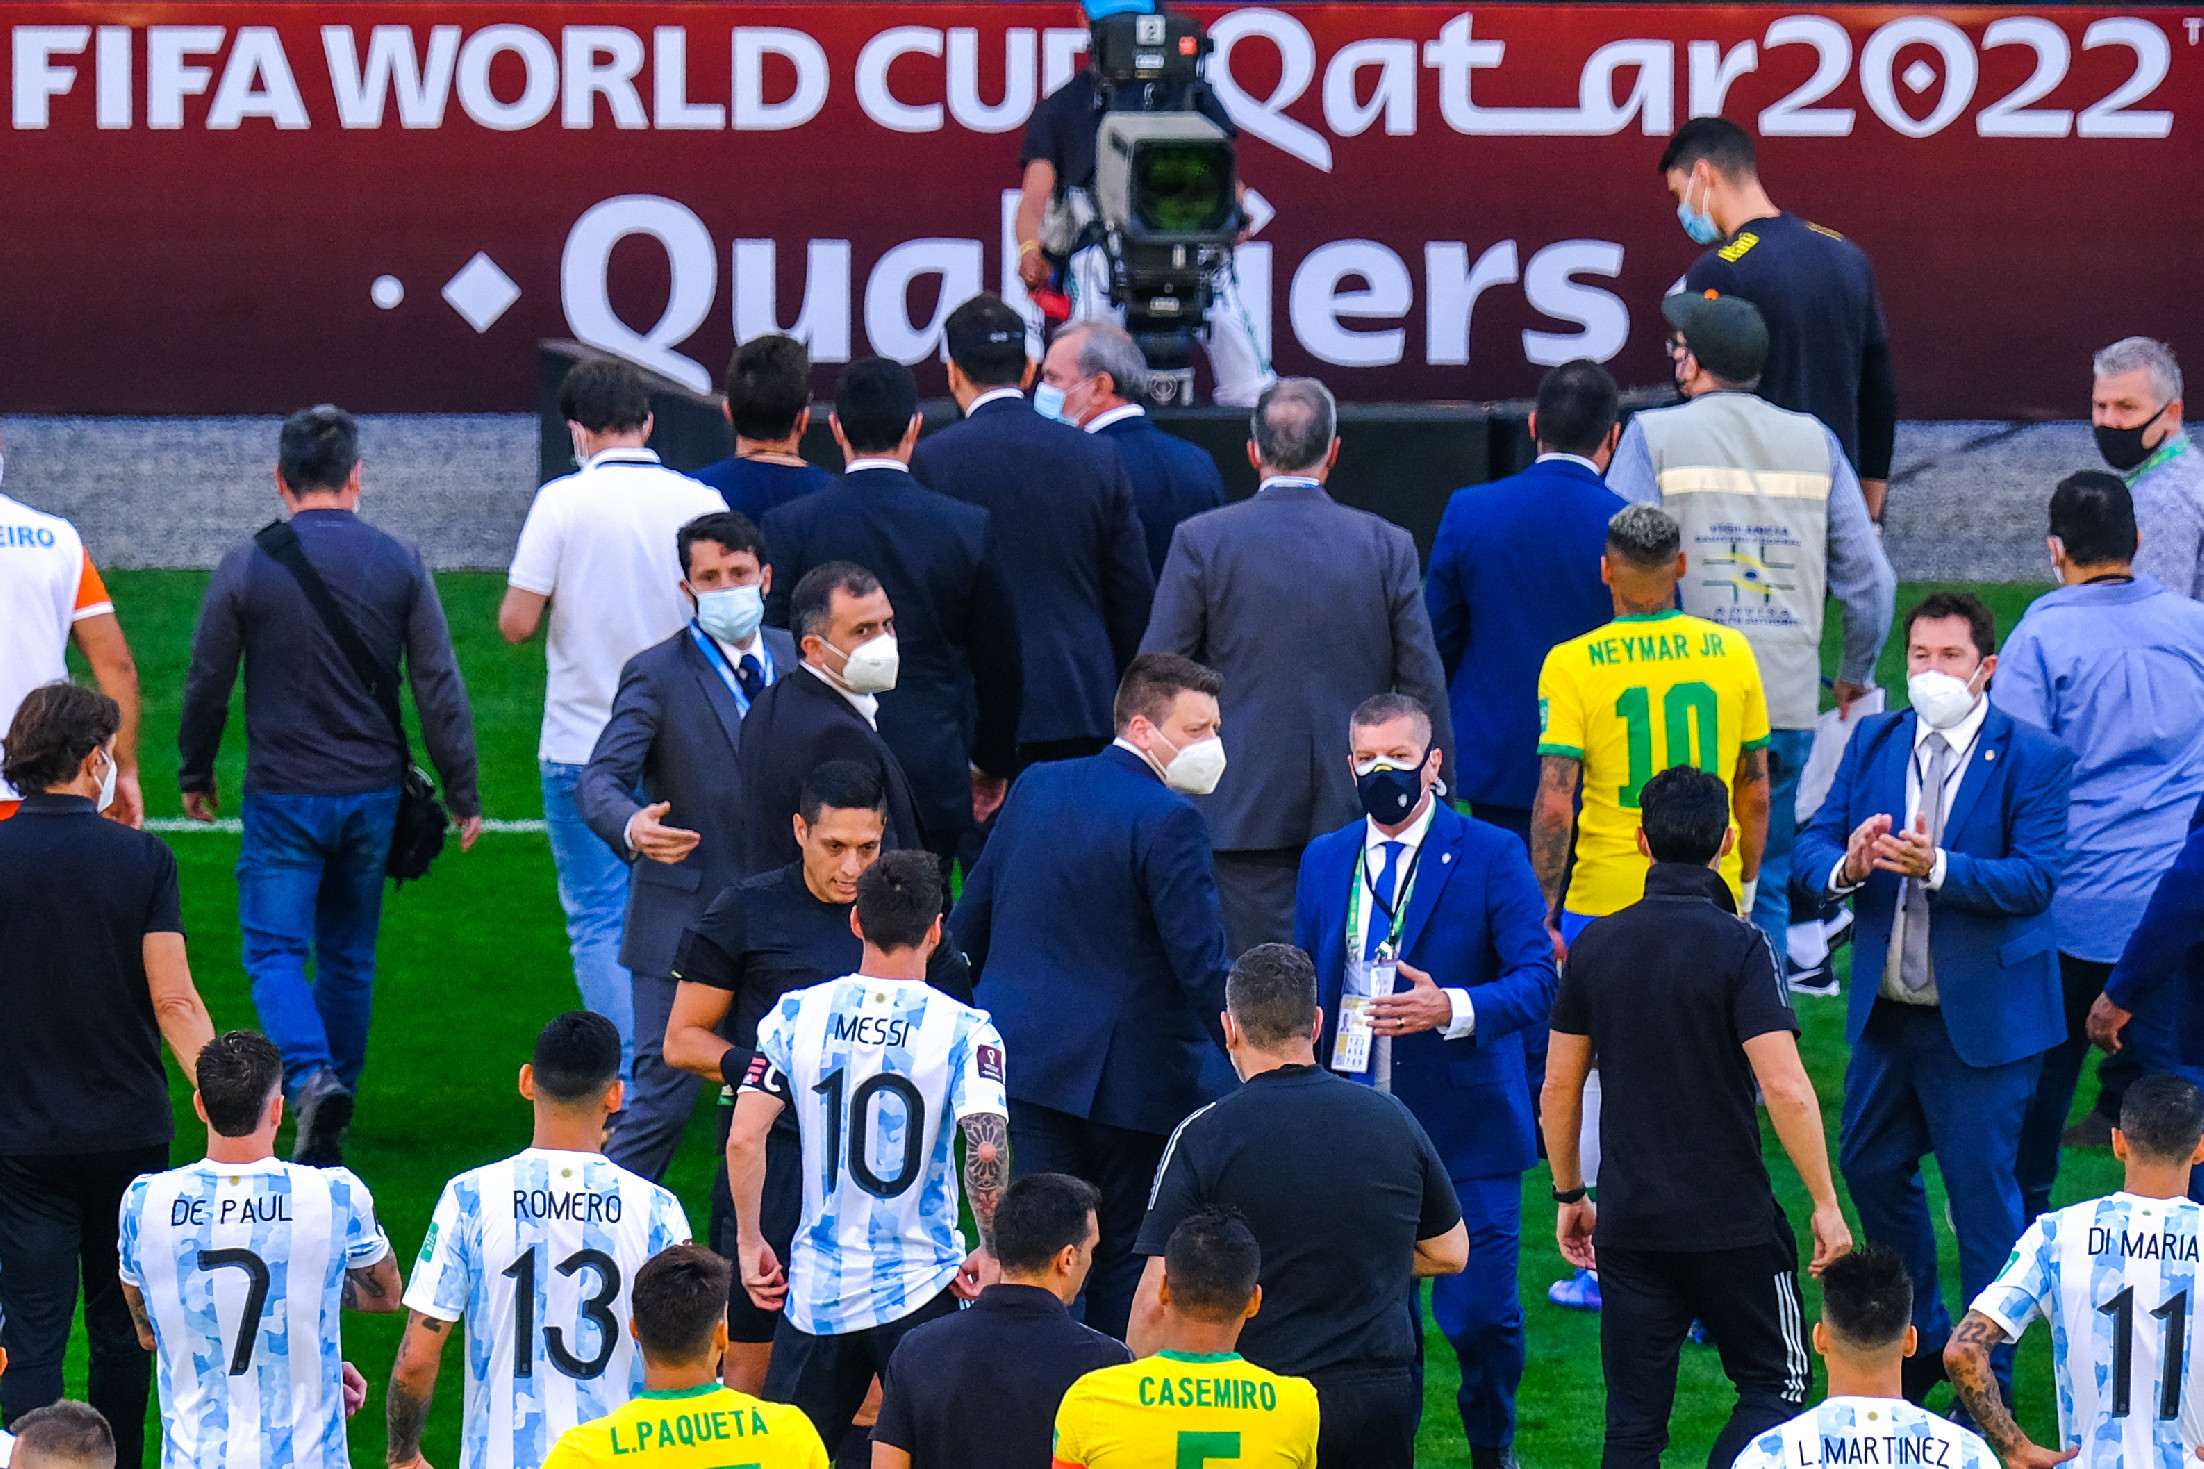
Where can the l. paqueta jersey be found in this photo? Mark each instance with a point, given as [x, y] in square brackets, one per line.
[705, 1427]
[1629, 700]
[1889, 1433]
[242, 1268]
[538, 1252]
[2116, 1279]
[1176, 1409]
[876, 1069]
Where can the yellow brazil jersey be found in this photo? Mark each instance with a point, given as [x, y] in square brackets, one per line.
[1638, 696]
[705, 1427]
[1179, 1411]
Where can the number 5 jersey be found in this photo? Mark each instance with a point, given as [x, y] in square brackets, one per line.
[537, 1252]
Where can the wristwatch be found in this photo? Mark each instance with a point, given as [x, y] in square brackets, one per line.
[1570, 1195]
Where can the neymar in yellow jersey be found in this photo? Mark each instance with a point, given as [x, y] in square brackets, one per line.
[1651, 690]
[1196, 1403]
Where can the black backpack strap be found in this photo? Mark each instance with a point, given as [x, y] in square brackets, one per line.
[281, 542]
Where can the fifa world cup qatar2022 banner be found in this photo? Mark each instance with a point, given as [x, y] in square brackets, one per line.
[238, 208]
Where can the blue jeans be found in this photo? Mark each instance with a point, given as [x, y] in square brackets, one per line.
[311, 874]
[1771, 909]
[593, 889]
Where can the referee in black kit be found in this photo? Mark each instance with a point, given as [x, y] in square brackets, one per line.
[1828, 353]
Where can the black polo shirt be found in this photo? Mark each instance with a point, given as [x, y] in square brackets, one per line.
[80, 1050]
[1669, 989]
[1338, 1183]
[980, 1389]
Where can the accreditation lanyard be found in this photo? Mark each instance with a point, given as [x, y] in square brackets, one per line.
[717, 657]
[1352, 1044]
[1396, 915]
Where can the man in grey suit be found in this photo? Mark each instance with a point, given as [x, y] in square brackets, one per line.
[1306, 608]
[676, 724]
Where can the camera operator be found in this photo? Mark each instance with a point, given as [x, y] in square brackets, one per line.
[1059, 156]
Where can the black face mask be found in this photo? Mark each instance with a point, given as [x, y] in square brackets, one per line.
[2123, 447]
[1389, 792]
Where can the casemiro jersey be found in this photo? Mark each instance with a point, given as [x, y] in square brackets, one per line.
[2116, 1278]
[242, 1268]
[538, 1252]
[1889, 1433]
[875, 1069]
[1179, 1409]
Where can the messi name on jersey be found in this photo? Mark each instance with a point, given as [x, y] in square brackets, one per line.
[2132, 1244]
[1655, 647]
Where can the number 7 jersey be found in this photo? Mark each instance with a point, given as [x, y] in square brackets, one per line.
[2116, 1280]
[538, 1252]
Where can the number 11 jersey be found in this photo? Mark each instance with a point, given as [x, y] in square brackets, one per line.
[538, 1252]
[2116, 1279]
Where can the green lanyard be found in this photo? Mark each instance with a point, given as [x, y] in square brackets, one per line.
[1360, 893]
[2175, 443]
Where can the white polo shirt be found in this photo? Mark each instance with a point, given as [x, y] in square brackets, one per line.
[599, 544]
[47, 585]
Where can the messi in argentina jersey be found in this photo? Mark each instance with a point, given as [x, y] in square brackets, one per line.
[877, 1070]
[1889, 1433]
[2116, 1280]
[537, 1252]
[242, 1269]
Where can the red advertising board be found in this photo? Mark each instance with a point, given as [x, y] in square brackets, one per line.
[239, 207]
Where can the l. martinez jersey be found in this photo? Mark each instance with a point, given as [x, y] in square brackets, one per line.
[1629, 700]
[538, 1252]
[875, 1069]
[242, 1268]
[2116, 1279]
[1889, 1433]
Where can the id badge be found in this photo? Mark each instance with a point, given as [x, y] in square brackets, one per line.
[1365, 982]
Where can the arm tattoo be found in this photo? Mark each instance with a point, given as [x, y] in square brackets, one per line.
[986, 1169]
[1753, 767]
[404, 1414]
[1557, 782]
[1967, 1362]
[139, 1316]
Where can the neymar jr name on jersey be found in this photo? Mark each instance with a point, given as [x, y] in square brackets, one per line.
[1655, 647]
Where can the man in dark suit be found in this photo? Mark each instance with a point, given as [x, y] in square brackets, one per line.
[1948, 820]
[1455, 904]
[844, 628]
[675, 730]
[1305, 608]
[956, 623]
[1091, 921]
[1515, 571]
[1060, 509]
[1095, 376]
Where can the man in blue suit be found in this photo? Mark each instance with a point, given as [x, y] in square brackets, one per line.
[1515, 572]
[1091, 922]
[1454, 903]
[1948, 821]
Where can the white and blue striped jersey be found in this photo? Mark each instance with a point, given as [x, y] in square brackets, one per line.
[875, 1068]
[1889, 1433]
[538, 1253]
[242, 1269]
[2116, 1279]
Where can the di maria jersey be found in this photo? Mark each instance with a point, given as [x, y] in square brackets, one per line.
[876, 1069]
[1889, 1433]
[242, 1269]
[1177, 1408]
[1629, 700]
[2116, 1279]
[538, 1252]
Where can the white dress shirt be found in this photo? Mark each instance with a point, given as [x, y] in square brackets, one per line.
[992, 395]
[865, 704]
[875, 461]
[1118, 414]
[1572, 458]
[1464, 1019]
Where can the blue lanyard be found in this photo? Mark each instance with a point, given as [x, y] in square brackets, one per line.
[717, 657]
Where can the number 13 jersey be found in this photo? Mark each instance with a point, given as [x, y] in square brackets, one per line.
[876, 1069]
[538, 1252]
[2116, 1280]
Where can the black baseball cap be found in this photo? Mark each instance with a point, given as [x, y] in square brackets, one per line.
[1727, 334]
[984, 326]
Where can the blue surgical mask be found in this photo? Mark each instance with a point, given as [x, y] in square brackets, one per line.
[731, 614]
[1700, 226]
[1048, 401]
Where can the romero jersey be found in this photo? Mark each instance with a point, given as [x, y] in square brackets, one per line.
[2116, 1279]
[704, 1427]
[876, 1070]
[1889, 1433]
[538, 1252]
[1176, 1408]
[47, 586]
[242, 1268]
[1629, 700]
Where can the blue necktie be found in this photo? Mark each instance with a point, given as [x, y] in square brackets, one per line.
[751, 675]
[1380, 922]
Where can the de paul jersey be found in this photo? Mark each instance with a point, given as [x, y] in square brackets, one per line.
[538, 1253]
[242, 1269]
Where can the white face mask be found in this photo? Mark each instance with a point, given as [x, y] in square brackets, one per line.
[1195, 770]
[1940, 698]
[107, 782]
[873, 666]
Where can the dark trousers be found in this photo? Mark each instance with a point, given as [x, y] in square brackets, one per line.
[1367, 1417]
[1255, 891]
[1748, 1299]
[661, 1097]
[1906, 1095]
[1508, 818]
[1479, 1312]
[1118, 1161]
[57, 1224]
[2152, 1042]
[2081, 980]
[828, 1376]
